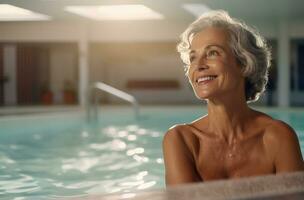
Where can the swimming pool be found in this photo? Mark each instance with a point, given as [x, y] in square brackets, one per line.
[47, 156]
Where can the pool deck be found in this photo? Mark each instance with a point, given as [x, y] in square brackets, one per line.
[29, 110]
[272, 187]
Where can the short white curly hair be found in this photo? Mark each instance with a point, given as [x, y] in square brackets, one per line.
[248, 46]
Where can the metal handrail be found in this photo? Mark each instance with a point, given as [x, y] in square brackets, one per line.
[111, 90]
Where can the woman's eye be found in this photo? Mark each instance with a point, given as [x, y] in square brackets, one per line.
[212, 53]
[191, 59]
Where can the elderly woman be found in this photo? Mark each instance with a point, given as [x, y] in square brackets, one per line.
[227, 64]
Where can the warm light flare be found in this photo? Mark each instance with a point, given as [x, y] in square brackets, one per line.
[115, 12]
[13, 13]
[196, 9]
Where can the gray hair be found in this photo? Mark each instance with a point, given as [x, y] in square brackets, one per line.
[248, 46]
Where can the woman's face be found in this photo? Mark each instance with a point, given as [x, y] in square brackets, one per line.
[213, 70]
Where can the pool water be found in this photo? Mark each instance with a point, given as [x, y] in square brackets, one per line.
[48, 156]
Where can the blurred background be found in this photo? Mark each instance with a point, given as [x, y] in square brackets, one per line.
[52, 50]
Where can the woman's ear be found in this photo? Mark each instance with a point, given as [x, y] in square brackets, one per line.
[242, 69]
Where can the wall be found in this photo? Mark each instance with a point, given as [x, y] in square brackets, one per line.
[104, 66]
[108, 32]
[63, 68]
[118, 63]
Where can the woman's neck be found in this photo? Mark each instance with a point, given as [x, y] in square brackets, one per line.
[228, 119]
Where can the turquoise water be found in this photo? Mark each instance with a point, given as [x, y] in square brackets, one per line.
[59, 155]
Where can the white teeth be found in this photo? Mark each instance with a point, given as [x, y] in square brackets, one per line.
[206, 78]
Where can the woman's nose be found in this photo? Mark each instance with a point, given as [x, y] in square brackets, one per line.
[202, 66]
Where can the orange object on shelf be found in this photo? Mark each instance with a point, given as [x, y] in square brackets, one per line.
[47, 98]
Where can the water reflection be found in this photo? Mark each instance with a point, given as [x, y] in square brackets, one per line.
[81, 164]
[100, 160]
[132, 137]
[139, 150]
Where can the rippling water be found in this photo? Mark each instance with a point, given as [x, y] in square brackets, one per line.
[57, 156]
[62, 156]
[106, 160]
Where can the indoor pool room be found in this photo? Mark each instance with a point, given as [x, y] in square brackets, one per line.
[151, 100]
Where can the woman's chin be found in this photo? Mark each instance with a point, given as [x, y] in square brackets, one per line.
[204, 96]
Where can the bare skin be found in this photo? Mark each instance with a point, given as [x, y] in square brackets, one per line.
[233, 140]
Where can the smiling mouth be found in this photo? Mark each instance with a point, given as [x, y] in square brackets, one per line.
[205, 79]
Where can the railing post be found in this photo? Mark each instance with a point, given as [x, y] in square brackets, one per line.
[111, 90]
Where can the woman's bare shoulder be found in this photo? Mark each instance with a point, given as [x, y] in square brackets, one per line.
[282, 141]
[278, 131]
[176, 141]
[184, 134]
[178, 133]
[179, 157]
[174, 133]
[279, 135]
[186, 129]
[273, 130]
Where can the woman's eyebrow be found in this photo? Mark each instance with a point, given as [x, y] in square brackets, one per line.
[192, 52]
[208, 47]
[214, 45]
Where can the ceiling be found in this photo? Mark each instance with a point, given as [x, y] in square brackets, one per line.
[270, 10]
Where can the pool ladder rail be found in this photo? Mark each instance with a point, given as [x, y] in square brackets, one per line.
[92, 110]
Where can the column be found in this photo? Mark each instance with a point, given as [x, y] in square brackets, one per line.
[283, 65]
[10, 71]
[83, 70]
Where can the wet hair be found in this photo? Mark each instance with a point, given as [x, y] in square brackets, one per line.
[247, 45]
